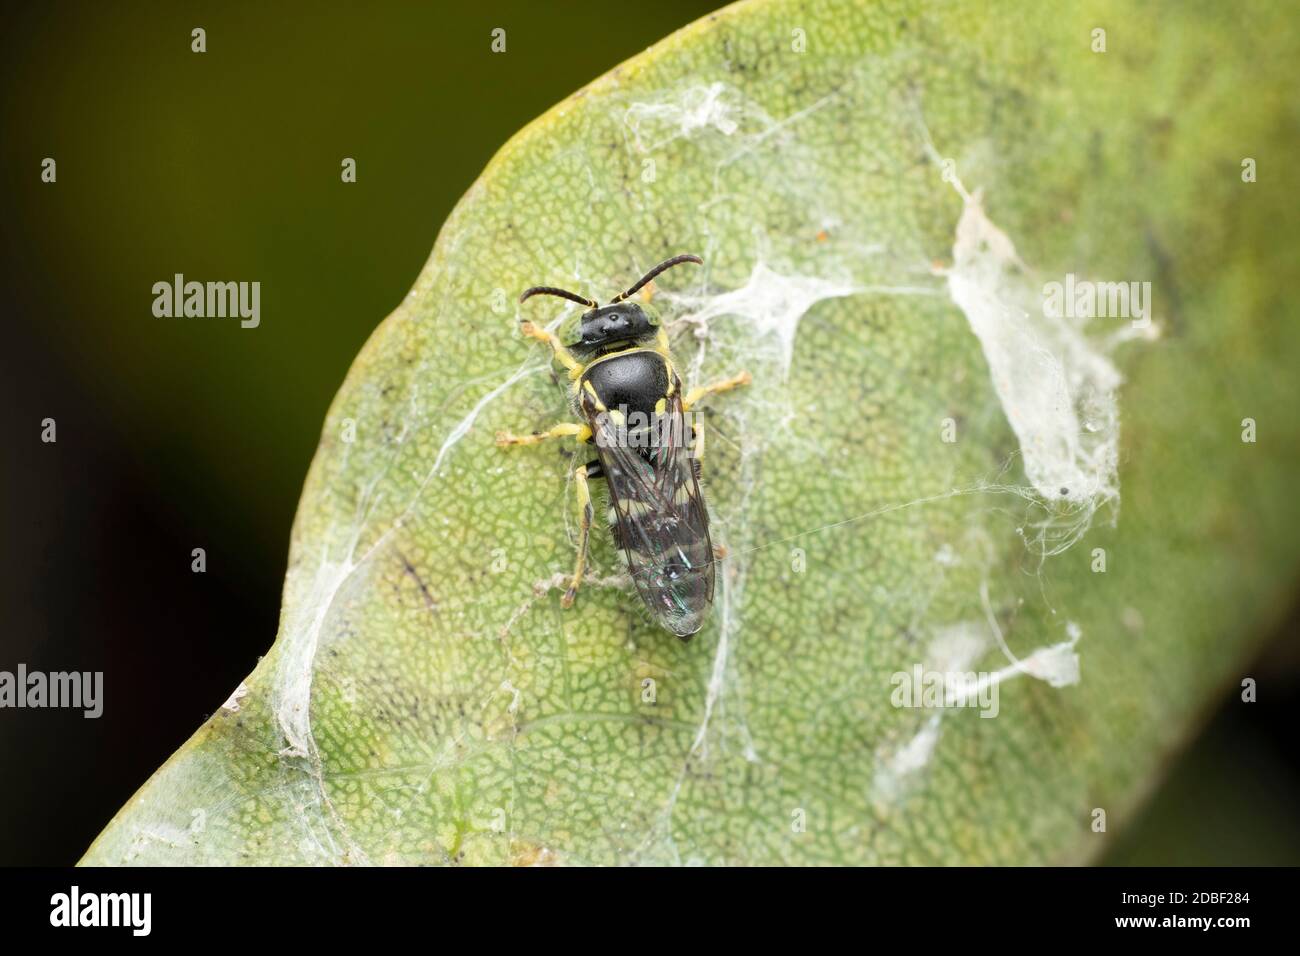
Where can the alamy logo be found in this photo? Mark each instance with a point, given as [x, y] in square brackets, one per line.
[103, 909]
[75, 689]
[1083, 299]
[624, 428]
[920, 687]
[211, 300]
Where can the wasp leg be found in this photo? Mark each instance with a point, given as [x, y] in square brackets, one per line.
[562, 355]
[584, 530]
[562, 430]
[697, 448]
[726, 385]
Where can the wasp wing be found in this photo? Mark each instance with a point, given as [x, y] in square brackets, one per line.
[658, 517]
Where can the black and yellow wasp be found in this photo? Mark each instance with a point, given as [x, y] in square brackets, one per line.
[625, 388]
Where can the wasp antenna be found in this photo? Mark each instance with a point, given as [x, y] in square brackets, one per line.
[663, 266]
[562, 293]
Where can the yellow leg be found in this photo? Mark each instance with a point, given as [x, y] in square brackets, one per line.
[584, 530]
[562, 355]
[726, 385]
[563, 430]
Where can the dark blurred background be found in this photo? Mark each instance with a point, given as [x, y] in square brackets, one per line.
[180, 434]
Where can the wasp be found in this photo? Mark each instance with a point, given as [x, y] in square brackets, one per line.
[625, 388]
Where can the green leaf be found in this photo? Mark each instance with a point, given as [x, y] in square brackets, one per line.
[921, 475]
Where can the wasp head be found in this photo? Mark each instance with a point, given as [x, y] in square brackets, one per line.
[619, 326]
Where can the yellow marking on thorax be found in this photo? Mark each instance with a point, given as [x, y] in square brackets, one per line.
[661, 347]
[591, 390]
[614, 355]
